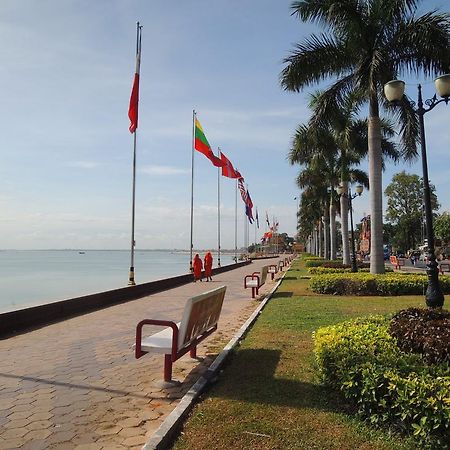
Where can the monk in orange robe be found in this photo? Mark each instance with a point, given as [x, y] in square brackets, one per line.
[198, 266]
[208, 260]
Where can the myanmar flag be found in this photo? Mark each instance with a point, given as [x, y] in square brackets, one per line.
[201, 144]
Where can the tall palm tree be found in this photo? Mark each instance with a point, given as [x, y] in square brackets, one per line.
[350, 137]
[368, 43]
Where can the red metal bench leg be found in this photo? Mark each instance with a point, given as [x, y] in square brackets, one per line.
[272, 274]
[193, 352]
[167, 367]
[257, 291]
[253, 292]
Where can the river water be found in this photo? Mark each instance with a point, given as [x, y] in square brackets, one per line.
[31, 277]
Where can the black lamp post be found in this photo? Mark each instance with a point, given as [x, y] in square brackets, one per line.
[359, 189]
[394, 92]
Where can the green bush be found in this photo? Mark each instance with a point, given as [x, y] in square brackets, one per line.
[325, 270]
[368, 284]
[362, 360]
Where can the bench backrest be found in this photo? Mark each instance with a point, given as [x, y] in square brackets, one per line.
[200, 314]
[264, 270]
[393, 260]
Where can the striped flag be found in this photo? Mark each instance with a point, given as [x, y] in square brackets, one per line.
[201, 144]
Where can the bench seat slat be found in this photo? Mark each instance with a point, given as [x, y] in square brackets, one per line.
[160, 342]
[252, 283]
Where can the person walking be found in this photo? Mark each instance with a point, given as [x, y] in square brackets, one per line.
[208, 263]
[198, 266]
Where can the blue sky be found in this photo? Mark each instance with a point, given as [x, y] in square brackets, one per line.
[66, 153]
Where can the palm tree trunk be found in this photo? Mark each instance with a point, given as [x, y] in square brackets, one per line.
[326, 232]
[376, 190]
[344, 224]
[316, 242]
[320, 238]
[332, 231]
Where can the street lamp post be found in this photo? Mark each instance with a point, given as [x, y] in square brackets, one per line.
[359, 189]
[394, 91]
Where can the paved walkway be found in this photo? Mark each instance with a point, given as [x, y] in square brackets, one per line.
[76, 384]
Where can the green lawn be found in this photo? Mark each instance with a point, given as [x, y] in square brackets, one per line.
[268, 396]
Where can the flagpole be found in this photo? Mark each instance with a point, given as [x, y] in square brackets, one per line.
[191, 247]
[235, 223]
[131, 280]
[218, 211]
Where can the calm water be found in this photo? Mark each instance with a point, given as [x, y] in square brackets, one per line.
[30, 277]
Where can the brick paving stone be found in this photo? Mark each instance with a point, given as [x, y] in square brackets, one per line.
[39, 425]
[92, 446]
[61, 437]
[11, 444]
[37, 444]
[134, 441]
[130, 431]
[19, 423]
[37, 434]
[131, 422]
[40, 416]
[58, 391]
[109, 431]
[19, 415]
[14, 433]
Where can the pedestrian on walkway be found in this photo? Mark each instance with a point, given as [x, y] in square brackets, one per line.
[208, 263]
[198, 266]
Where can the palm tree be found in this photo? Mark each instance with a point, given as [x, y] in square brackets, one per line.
[350, 140]
[336, 135]
[369, 43]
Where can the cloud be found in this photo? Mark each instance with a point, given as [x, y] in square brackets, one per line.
[162, 170]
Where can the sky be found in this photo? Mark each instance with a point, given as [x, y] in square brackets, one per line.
[66, 153]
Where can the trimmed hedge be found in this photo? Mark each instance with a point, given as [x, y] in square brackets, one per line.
[324, 270]
[385, 385]
[368, 284]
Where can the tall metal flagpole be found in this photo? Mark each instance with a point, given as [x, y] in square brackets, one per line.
[235, 223]
[131, 280]
[191, 247]
[218, 211]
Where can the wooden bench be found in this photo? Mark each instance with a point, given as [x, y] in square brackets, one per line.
[444, 267]
[256, 280]
[200, 316]
[272, 269]
[397, 262]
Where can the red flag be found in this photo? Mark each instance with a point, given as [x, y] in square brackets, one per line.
[134, 99]
[134, 102]
[228, 169]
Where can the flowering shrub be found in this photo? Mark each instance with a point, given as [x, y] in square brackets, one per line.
[368, 284]
[387, 386]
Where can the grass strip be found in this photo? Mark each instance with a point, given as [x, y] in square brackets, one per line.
[268, 396]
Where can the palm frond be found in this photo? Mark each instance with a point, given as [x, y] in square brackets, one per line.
[312, 61]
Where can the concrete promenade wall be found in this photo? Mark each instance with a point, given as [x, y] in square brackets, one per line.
[22, 319]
